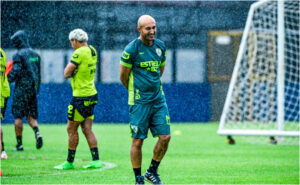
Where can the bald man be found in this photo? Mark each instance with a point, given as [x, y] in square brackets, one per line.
[141, 66]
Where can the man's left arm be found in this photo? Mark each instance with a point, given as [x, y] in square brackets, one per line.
[162, 68]
[163, 63]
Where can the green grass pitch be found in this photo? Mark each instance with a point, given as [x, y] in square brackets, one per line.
[196, 155]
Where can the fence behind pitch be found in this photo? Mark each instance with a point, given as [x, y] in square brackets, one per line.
[187, 102]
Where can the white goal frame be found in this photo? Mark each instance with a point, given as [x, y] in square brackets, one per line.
[280, 81]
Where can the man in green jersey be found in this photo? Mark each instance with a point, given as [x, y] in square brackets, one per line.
[5, 93]
[81, 70]
[141, 66]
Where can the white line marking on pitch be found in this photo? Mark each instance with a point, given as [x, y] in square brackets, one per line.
[106, 167]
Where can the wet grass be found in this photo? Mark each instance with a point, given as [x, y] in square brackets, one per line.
[196, 155]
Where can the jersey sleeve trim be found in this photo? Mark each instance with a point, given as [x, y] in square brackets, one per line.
[125, 64]
[163, 64]
[75, 63]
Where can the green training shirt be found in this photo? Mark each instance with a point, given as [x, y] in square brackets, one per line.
[5, 90]
[83, 84]
[144, 80]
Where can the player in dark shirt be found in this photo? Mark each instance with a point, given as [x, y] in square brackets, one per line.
[27, 77]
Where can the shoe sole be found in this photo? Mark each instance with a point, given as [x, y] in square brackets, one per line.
[145, 178]
[4, 156]
[60, 168]
[91, 167]
[16, 149]
[63, 168]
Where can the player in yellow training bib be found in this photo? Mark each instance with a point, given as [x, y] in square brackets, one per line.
[5, 93]
[81, 70]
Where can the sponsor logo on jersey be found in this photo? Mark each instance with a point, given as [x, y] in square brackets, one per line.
[75, 56]
[125, 55]
[34, 59]
[150, 65]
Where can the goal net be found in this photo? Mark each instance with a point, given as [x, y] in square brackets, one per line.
[263, 96]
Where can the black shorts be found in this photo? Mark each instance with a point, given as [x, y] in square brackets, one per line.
[3, 109]
[24, 105]
[81, 108]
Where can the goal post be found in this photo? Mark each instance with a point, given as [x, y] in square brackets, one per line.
[263, 95]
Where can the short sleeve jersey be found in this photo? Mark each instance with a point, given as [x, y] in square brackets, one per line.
[83, 83]
[144, 80]
[5, 90]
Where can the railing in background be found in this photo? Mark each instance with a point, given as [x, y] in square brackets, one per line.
[190, 68]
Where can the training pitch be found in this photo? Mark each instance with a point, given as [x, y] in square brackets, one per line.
[196, 155]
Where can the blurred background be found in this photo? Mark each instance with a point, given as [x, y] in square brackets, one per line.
[202, 39]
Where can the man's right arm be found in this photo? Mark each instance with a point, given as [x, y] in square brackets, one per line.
[39, 75]
[124, 75]
[70, 70]
[126, 65]
[16, 69]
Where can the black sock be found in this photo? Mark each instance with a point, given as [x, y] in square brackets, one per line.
[2, 146]
[71, 155]
[137, 171]
[35, 129]
[95, 154]
[154, 165]
[19, 140]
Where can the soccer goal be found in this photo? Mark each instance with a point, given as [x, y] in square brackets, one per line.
[263, 95]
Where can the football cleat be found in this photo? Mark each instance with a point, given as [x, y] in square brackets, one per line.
[273, 140]
[4, 155]
[153, 178]
[19, 148]
[65, 166]
[230, 140]
[94, 164]
[139, 180]
[39, 140]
